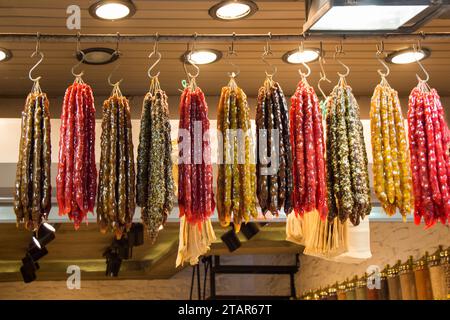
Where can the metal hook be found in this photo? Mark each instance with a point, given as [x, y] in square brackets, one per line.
[308, 73]
[380, 51]
[188, 59]
[340, 50]
[117, 44]
[36, 52]
[116, 52]
[83, 55]
[427, 75]
[268, 52]
[323, 75]
[112, 84]
[158, 58]
[232, 52]
[195, 41]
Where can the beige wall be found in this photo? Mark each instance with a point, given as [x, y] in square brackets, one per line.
[389, 241]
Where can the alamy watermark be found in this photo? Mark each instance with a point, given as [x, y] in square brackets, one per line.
[73, 21]
[74, 278]
[232, 147]
[374, 277]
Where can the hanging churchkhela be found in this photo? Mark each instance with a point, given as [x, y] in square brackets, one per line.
[195, 179]
[429, 139]
[309, 173]
[391, 171]
[76, 181]
[347, 173]
[32, 196]
[321, 237]
[154, 185]
[236, 178]
[116, 187]
[273, 167]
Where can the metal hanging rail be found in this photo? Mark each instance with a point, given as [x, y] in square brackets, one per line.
[184, 38]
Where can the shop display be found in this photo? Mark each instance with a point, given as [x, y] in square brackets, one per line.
[429, 139]
[350, 292]
[154, 178]
[252, 174]
[332, 294]
[383, 293]
[445, 263]
[391, 169]
[76, 181]
[195, 184]
[347, 163]
[274, 189]
[437, 276]
[116, 186]
[422, 279]
[342, 291]
[373, 285]
[361, 288]
[323, 177]
[323, 294]
[236, 181]
[308, 147]
[407, 280]
[32, 190]
[393, 281]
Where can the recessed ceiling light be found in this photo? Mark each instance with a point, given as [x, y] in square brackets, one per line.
[5, 54]
[98, 56]
[233, 10]
[369, 16]
[202, 56]
[112, 9]
[409, 55]
[297, 56]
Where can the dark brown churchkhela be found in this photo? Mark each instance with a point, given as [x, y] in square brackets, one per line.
[273, 165]
[116, 187]
[76, 181]
[32, 187]
[154, 187]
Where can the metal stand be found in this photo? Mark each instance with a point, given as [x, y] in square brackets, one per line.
[213, 263]
[196, 270]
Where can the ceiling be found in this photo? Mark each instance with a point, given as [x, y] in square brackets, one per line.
[188, 17]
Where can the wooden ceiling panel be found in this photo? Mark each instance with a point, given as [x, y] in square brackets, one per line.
[185, 17]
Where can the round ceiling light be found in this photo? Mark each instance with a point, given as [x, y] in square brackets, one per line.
[233, 10]
[297, 56]
[202, 56]
[112, 9]
[408, 55]
[5, 54]
[98, 56]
